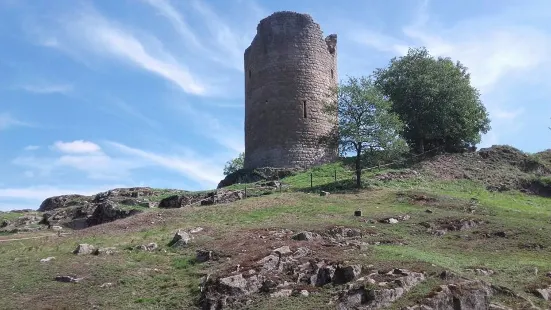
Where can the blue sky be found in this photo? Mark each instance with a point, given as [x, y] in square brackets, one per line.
[102, 94]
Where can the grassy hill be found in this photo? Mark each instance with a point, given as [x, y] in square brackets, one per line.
[459, 225]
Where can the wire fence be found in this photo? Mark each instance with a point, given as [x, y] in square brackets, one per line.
[338, 179]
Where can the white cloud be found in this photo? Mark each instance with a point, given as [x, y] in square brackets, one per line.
[198, 169]
[48, 89]
[87, 32]
[8, 121]
[77, 146]
[31, 148]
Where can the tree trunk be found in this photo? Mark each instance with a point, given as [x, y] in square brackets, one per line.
[421, 146]
[359, 166]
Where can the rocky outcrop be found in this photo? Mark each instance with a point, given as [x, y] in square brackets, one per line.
[204, 199]
[460, 295]
[63, 201]
[373, 294]
[256, 175]
[86, 215]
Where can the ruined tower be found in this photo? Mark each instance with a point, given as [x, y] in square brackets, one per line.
[289, 71]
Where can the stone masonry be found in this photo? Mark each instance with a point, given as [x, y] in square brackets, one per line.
[289, 71]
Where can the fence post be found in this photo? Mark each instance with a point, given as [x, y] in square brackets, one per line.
[335, 175]
[245, 191]
[311, 180]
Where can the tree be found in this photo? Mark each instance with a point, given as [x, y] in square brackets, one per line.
[364, 122]
[435, 100]
[234, 164]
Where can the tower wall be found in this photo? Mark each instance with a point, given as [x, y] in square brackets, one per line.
[289, 71]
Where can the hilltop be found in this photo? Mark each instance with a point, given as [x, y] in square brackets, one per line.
[459, 231]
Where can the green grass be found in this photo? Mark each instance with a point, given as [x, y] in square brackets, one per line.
[168, 279]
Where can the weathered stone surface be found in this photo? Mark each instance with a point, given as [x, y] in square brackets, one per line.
[544, 293]
[462, 295]
[63, 201]
[47, 259]
[206, 255]
[106, 251]
[289, 70]
[150, 247]
[256, 175]
[269, 262]
[345, 274]
[305, 236]
[85, 249]
[283, 251]
[180, 239]
[364, 296]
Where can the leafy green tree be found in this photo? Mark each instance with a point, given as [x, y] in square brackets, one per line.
[364, 122]
[234, 164]
[435, 100]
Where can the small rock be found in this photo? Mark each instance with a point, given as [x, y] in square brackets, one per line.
[501, 234]
[548, 274]
[106, 251]
[498, 307]
[105, 285]
[404, 217]
[428, 211]
[282, 251]
[391, 221]
[152, 246]
[196, 230]
[439, 232]
[204, 255]
[544, 293]
[323, 193]
[180, 239]
[269, 262]
[304, 293]
[301, 252]
[358, 213]
[55, 227]
[85, 249]
[282, 293]
[305, 236]
[68, 279]
[47, 259]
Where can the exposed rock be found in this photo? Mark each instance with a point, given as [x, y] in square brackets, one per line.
[85, 249]
[301, 252]
[305, 236]
[107, 211]
[323, 275]
[106, 251]
[150, 247]
[283, 251]
[106, 285]
[196, 230]
[323, 193]
[304, 293]
[206, 255]
[47, 259]
[269, 262]
[180, 239]
[282, 293]
[548, 274]
[222, 292]
[498, 307]
[344, 232]
[365, 296]
[544, 293]
[464, 295]
[256, 175]
[63, 201]
[68, 279]
[389, 220]
[347, 274]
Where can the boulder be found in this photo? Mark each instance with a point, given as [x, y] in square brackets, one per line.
[85, 249]
[543, 293]
[180, 239]
[345, 274]
[282, 251]
[305, 236]
[464, 295]
[63, 201]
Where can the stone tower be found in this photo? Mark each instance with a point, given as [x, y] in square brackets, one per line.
[289, 71]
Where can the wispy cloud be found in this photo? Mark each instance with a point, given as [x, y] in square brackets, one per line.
[31, 148]
[87, 31]
[48, 88]
[197, 168]
[8, 121]
[77, 146]
[133, 111]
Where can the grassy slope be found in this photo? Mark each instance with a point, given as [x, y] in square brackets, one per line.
[167, 280]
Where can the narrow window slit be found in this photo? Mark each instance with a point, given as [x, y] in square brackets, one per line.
[249, 74]
[304, 109]
[332, 75]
